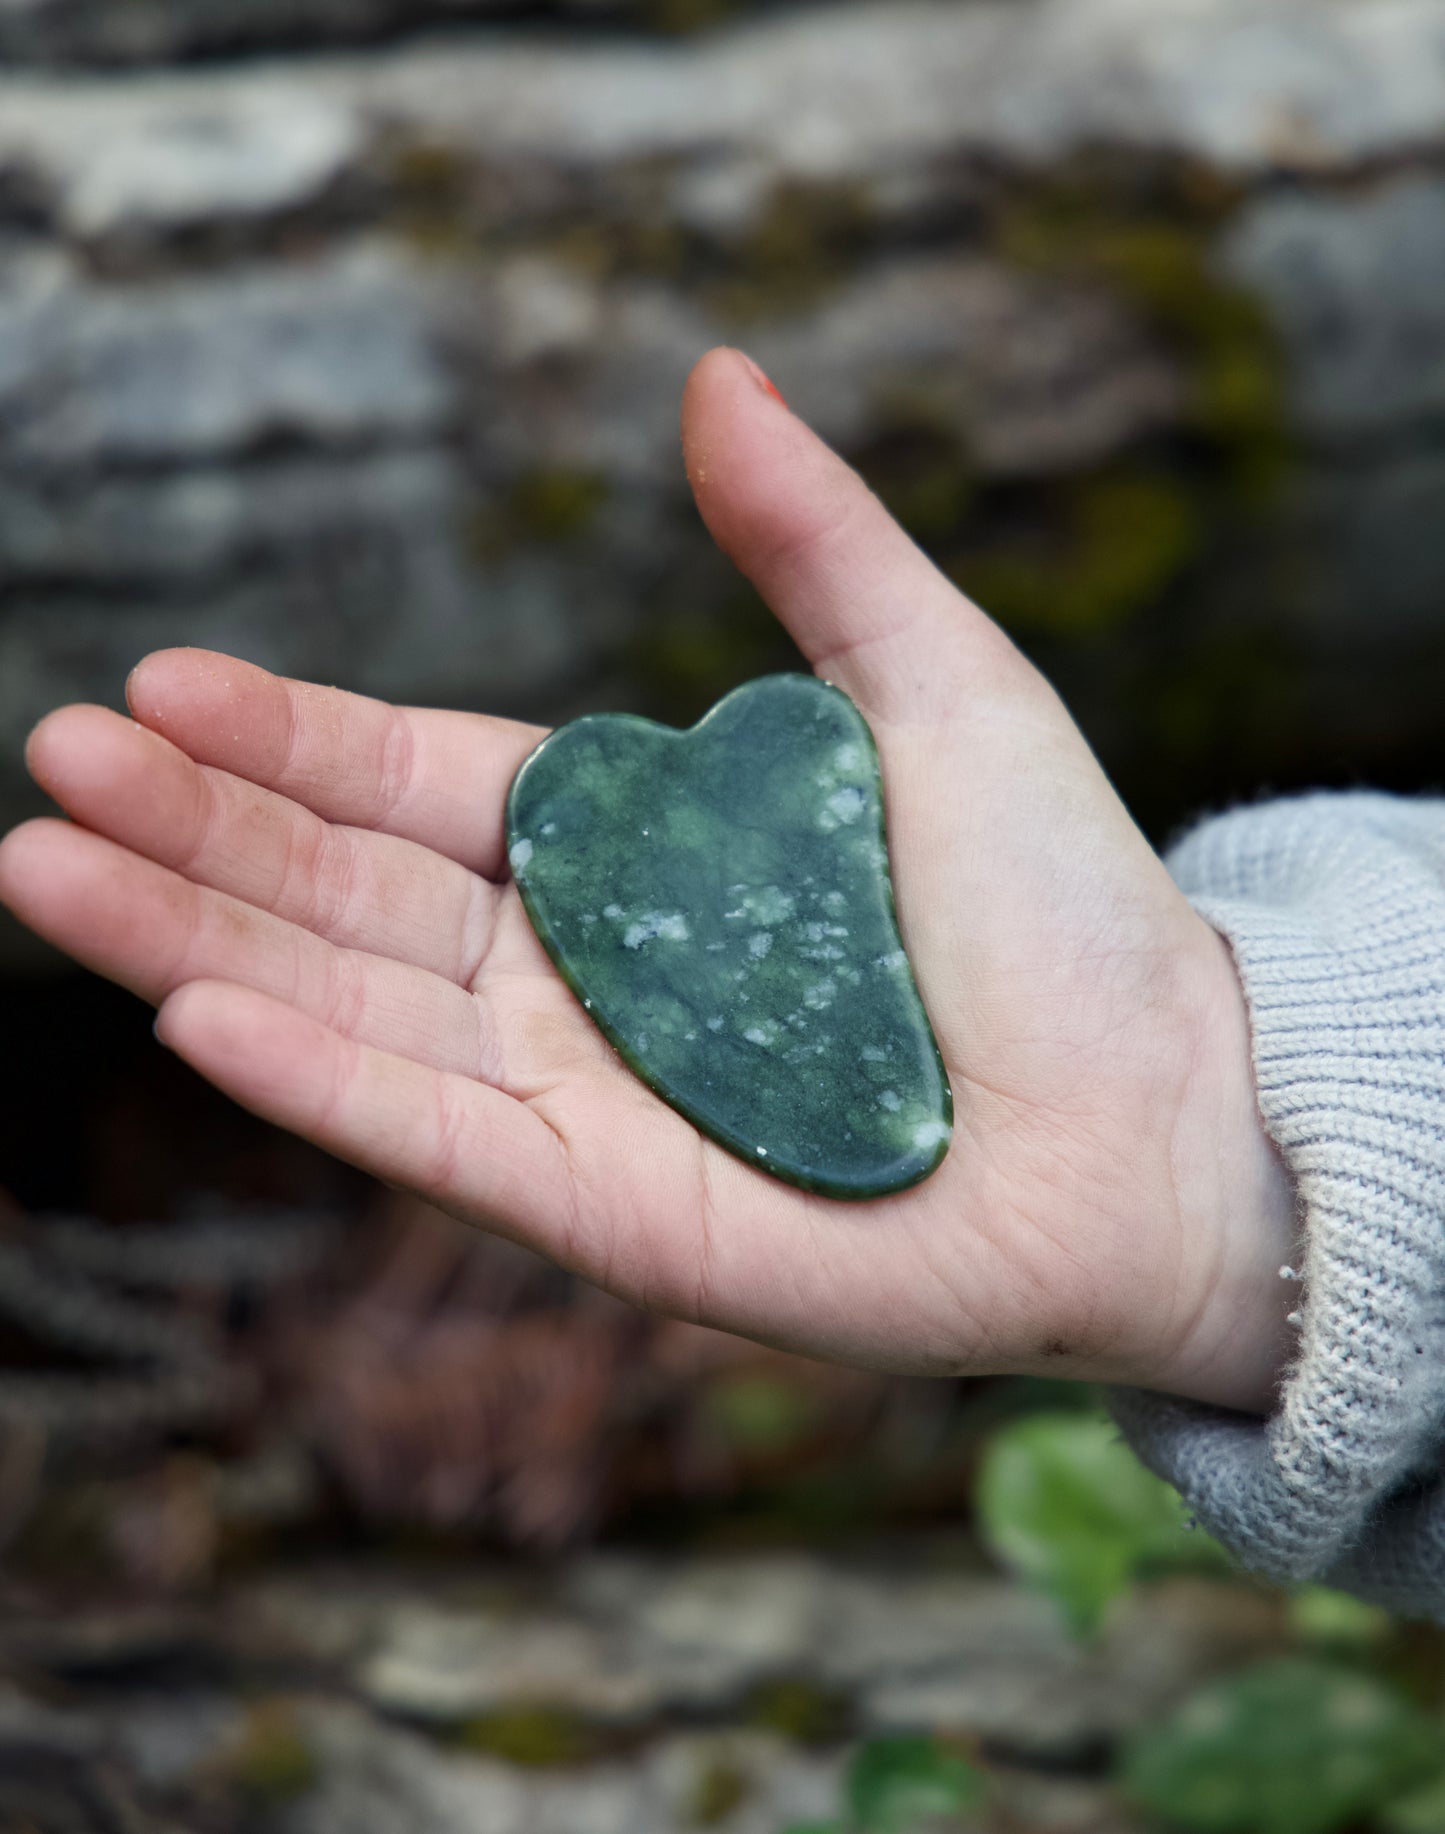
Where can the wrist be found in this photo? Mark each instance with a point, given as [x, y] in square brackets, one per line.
[1232, 1333]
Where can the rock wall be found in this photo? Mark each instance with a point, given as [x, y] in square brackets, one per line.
[366, 363]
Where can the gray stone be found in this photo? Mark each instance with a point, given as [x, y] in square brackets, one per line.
[333, 353]
[442, 1664]
[868, 88]
[1356, 284]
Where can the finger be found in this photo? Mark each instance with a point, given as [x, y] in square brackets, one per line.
[152, 931]
[437, 778]
[360, 890]
[460, 1143]
[866, 607]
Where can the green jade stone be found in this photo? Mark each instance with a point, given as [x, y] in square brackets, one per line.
[719, 901]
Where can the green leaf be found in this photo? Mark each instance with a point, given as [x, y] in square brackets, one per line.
[1420, 1812]
[815, 1827]
[1325, 1618]
[1064, 1503]
[894, 1782]
[1289, 1747]
[756, 1413]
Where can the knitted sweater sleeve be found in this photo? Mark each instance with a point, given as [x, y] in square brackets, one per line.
[1334, 908]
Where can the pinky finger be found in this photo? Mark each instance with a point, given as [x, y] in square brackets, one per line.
[461, 1144]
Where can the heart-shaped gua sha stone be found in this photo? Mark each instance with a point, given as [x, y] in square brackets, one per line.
[719, 901]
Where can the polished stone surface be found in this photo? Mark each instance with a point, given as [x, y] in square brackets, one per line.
[719, 901]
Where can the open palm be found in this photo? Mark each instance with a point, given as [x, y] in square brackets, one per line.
[312, 887]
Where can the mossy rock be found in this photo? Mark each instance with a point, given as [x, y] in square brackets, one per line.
[532, 1735]
[720, 1788]
[272, 1763]
[1163, 265]
[799, 1709]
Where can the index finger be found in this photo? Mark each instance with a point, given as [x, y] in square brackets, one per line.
[432, 776]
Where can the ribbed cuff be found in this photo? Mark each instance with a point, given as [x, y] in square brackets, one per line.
[1334, 907]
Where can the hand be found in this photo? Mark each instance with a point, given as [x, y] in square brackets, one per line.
[312, 888]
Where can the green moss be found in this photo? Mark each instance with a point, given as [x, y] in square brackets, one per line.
[683, 16]
[1125, 539]
[272, 1763]
[601, 248]
[720, 1788]
[529, 1734]
[797, 1709]
[920, 469]
[684, 660]
[1232, 691]
[556, 505]
[802, 244]
[541, 507]
[759, 1414]
[430, 182]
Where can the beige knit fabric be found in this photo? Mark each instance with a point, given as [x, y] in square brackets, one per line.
[1334, 906]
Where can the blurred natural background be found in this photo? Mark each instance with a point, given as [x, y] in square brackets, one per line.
[348, 335]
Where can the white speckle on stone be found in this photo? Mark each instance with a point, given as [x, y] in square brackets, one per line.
[670, 926]
[759, 943]
[760, 1034]
[819, 995]
[520, 854]
[549, 827]
[830, 952]
[842, 807]
[835, 929]
[891, 1100]
[713, 947]
[588, 1005]
[893, 960]
[643, 1041]
[872, 1054]
[589, 917]
[834, 901]
[715, 1025]
[813, 932]
[848, 757]
[614, 911]
[689, 1037]
[928, 1134]
[765, 904]
[761, 1151]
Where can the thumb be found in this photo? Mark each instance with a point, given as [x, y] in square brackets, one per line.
[865, 606]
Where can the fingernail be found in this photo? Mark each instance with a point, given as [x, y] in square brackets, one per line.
[761, 377]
